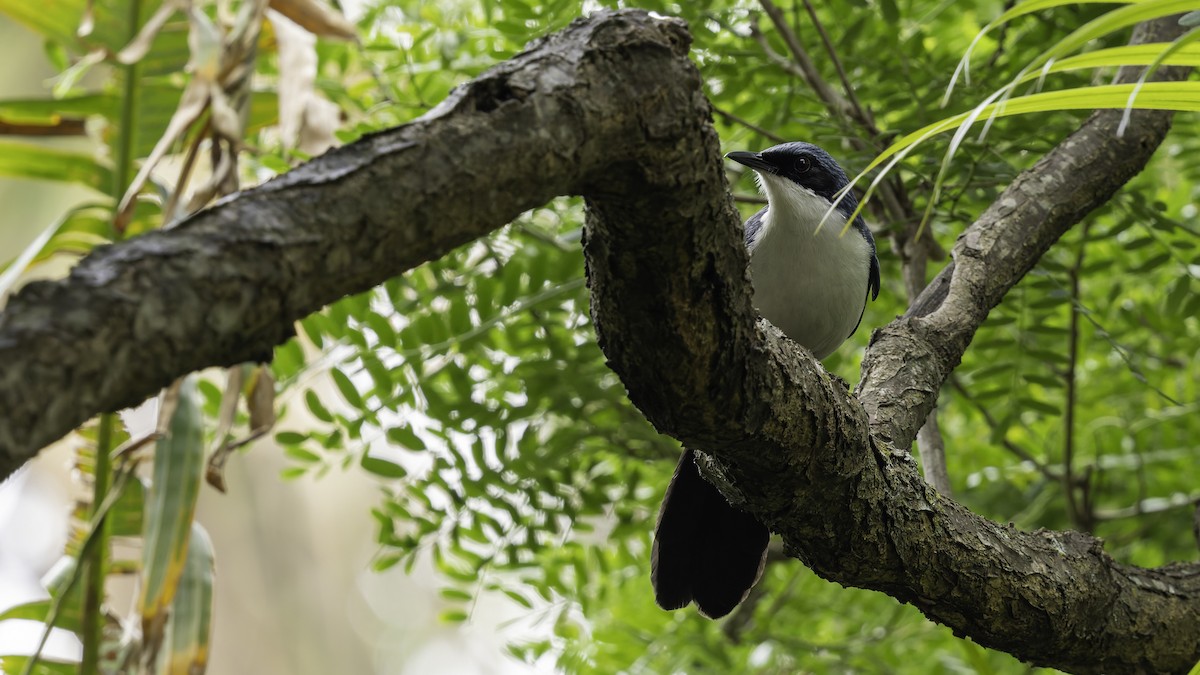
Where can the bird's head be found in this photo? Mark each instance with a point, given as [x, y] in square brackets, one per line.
[783, 167]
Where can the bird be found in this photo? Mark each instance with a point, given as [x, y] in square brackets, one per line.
[812, 282]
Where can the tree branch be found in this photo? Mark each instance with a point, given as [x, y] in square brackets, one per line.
[611, 108]
[910, 358]
[226, 285]
[789, 444]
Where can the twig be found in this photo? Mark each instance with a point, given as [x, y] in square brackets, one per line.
[861, 113]
[62, 127]
[749, 199]
[774, 56]
[730, 117]
[896, 206]
[1150, 505]
[1008, 4]
[933, 454]
[808, 69]
[1015, 449]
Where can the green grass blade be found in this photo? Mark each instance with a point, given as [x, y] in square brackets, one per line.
[1126, 55]
[56, 21]
[12, 665]
[964, 64]
[170, 506]
[1176, 96]
[26, 160]
[1182, 43]
[190, 629]
[50, 110]
[13, 272]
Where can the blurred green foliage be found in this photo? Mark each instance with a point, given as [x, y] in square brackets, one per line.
[506, 450]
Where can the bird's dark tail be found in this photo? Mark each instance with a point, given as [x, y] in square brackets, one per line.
[704, 549]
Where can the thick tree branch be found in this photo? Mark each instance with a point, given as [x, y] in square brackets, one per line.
[792, 446]
[612, 109]
[226, 285]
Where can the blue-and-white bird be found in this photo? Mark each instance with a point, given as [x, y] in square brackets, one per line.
[813, 283]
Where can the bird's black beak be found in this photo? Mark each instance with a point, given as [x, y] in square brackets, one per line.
[754, 160]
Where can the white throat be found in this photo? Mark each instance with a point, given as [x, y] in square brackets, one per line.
[810, 283]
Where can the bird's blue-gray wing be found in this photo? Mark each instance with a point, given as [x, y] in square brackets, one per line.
[872, 270]
[754, 225]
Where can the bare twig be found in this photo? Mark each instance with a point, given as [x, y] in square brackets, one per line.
[749, 199]
[862, 114]
[62, 127]
[807, 68]
[1015, 449]
[730, 117]
[1002, 36]
[933, 455]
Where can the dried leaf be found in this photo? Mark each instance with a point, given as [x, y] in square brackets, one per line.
[191, 106]
[261, 400]
[229, 403]
[205, 46]
[306, 120]
[316, 17]
[141, 43]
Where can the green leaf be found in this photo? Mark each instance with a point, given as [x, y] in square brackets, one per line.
[1043, 380]
[127, 515]
[1155, 261]
[25, 160]
[453, 616]
[315, 406]
[15, 665]
[405, 437]
[519, 599]
[1178, 96]
[290, 438]
[301, 455]
[170, 506]
[37, 610]
[1040, 406]
[17, 266]
[347, 388]
[49, 111]
[382, 467]
[1179, 292]
[891, 13]
[57, 20]
[1140, 242]
[188, 639]
[456, 594]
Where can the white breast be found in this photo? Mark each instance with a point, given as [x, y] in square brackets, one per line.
[811, 284]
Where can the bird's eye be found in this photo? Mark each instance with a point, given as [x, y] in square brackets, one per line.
[803, 164]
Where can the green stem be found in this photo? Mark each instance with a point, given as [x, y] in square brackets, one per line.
[96, 560]
[126, 145]
[85, 551]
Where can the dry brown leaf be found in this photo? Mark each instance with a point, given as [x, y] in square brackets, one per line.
[306, 120]
[140, 44]
[316, 17]
[261, 399]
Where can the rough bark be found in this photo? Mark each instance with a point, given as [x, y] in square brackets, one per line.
[612, 109]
